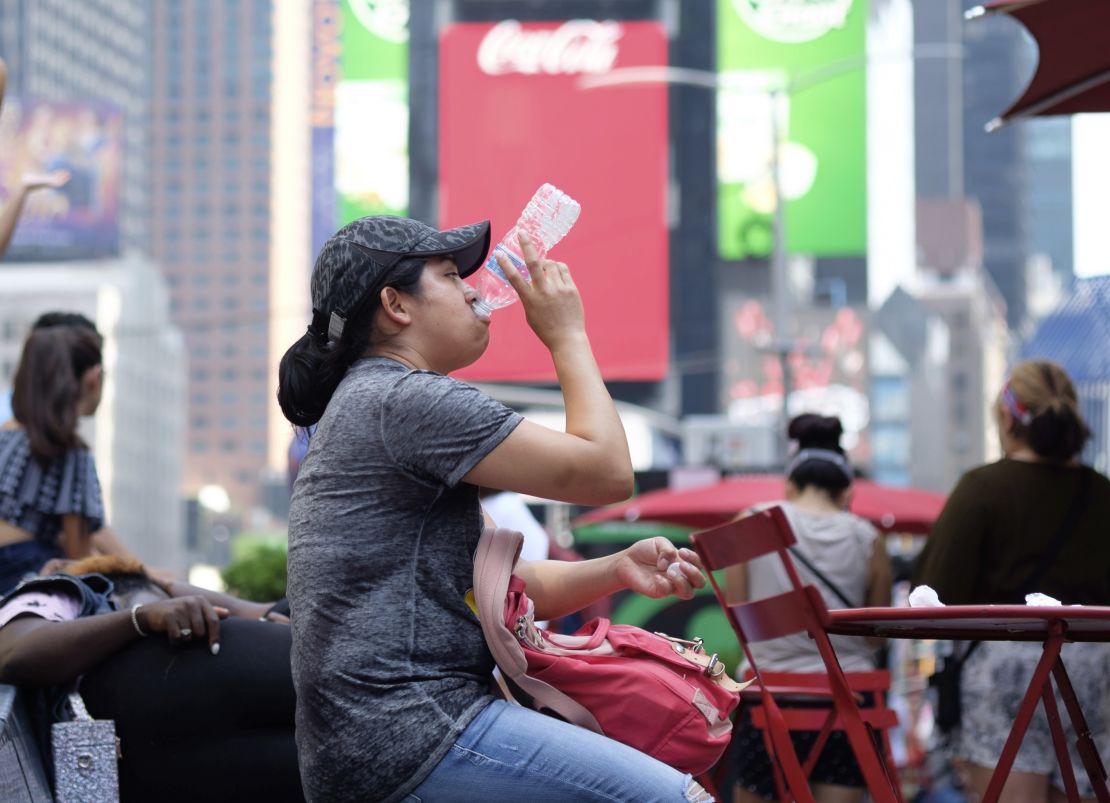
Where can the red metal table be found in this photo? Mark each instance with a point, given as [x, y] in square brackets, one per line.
[1050, 625]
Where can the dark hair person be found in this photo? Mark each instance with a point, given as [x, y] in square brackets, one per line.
[50, 500]
[198, 686]
[391, 670]
[995, 529]
[848, 552]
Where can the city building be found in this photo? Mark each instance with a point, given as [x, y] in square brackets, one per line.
[93, 50]
[137, 434]
[999, 59]
[1065, 336]
[210, 226]
[1051, 202]
[953, 285]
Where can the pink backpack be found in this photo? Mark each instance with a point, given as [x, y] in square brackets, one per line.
[660, 695]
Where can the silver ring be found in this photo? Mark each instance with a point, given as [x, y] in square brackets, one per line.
[186, 632]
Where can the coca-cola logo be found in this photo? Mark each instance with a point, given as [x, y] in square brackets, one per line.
[576, 46]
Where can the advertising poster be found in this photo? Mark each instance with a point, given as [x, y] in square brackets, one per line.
[360, 112]
[80, 219]
[794, 70]
[372, 111]
[829, 372]
[514, 114]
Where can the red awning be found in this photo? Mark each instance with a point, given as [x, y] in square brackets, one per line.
[1073, 71]
[890, 508]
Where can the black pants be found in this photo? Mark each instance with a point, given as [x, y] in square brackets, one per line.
[194, 726]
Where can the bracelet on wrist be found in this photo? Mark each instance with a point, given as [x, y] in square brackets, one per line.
[135, 619]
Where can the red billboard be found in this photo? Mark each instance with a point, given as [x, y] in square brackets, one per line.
[513, 115]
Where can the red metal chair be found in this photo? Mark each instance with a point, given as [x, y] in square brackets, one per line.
[801, 609]
[826, 719]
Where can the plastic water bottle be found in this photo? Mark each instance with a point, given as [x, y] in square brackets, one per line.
[546, 220]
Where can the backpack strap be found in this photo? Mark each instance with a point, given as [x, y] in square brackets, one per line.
[494, 561]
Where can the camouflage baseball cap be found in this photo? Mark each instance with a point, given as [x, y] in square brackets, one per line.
[357, 261]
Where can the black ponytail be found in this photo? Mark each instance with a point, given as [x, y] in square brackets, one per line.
[312, 368]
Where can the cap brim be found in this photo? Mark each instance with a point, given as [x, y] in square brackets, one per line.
[467, 244]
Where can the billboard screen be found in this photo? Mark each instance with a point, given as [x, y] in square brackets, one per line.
[79, 220]
[795, 69]
[513, 114]
[359, 112]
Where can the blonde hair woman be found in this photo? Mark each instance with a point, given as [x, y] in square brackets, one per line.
[996, 530]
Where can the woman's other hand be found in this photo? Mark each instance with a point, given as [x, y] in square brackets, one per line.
[552, 305]
[656, 568]
[184, 619]
[53, 180]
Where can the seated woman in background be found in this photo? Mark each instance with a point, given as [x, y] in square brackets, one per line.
[50, 499]
[847, 551]
[198, 683]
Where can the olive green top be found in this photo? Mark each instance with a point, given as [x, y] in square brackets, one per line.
[999, 522]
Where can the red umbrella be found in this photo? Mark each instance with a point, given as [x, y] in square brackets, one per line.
[1073, 73]
[907, 510]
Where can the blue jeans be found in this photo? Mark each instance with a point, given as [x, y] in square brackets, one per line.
[509, 753]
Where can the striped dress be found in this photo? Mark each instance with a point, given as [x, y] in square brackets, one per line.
[34, 498]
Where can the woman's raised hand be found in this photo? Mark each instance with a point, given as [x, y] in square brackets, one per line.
[183, 619]
[53, 180]
[552, 305]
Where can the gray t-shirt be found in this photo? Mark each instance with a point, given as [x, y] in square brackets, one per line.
[389, 662]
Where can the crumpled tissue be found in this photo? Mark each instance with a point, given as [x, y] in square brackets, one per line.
[924, 597]
[1041, 599]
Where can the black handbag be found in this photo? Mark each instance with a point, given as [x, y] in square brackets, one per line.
[946, 680]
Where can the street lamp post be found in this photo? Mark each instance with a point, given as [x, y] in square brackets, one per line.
[780, 281]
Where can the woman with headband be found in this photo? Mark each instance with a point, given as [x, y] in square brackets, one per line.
[853, 566]
[997, 532]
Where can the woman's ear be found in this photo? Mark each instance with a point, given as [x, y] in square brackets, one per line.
[395, 307]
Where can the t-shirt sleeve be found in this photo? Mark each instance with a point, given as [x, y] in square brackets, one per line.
[79, 489]
[949, 562]
[54, 607]
[438, 428]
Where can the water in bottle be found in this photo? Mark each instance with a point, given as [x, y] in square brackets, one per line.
[545, 220]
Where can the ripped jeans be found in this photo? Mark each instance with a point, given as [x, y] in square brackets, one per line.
[509, 753]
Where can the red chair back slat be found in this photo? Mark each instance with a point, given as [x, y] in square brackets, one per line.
[742, 540]
[773, 617]
[874, 680]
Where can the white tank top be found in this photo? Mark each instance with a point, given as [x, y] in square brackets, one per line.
[839, 544]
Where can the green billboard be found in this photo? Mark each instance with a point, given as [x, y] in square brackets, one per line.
[804, 62]
[372, 110]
